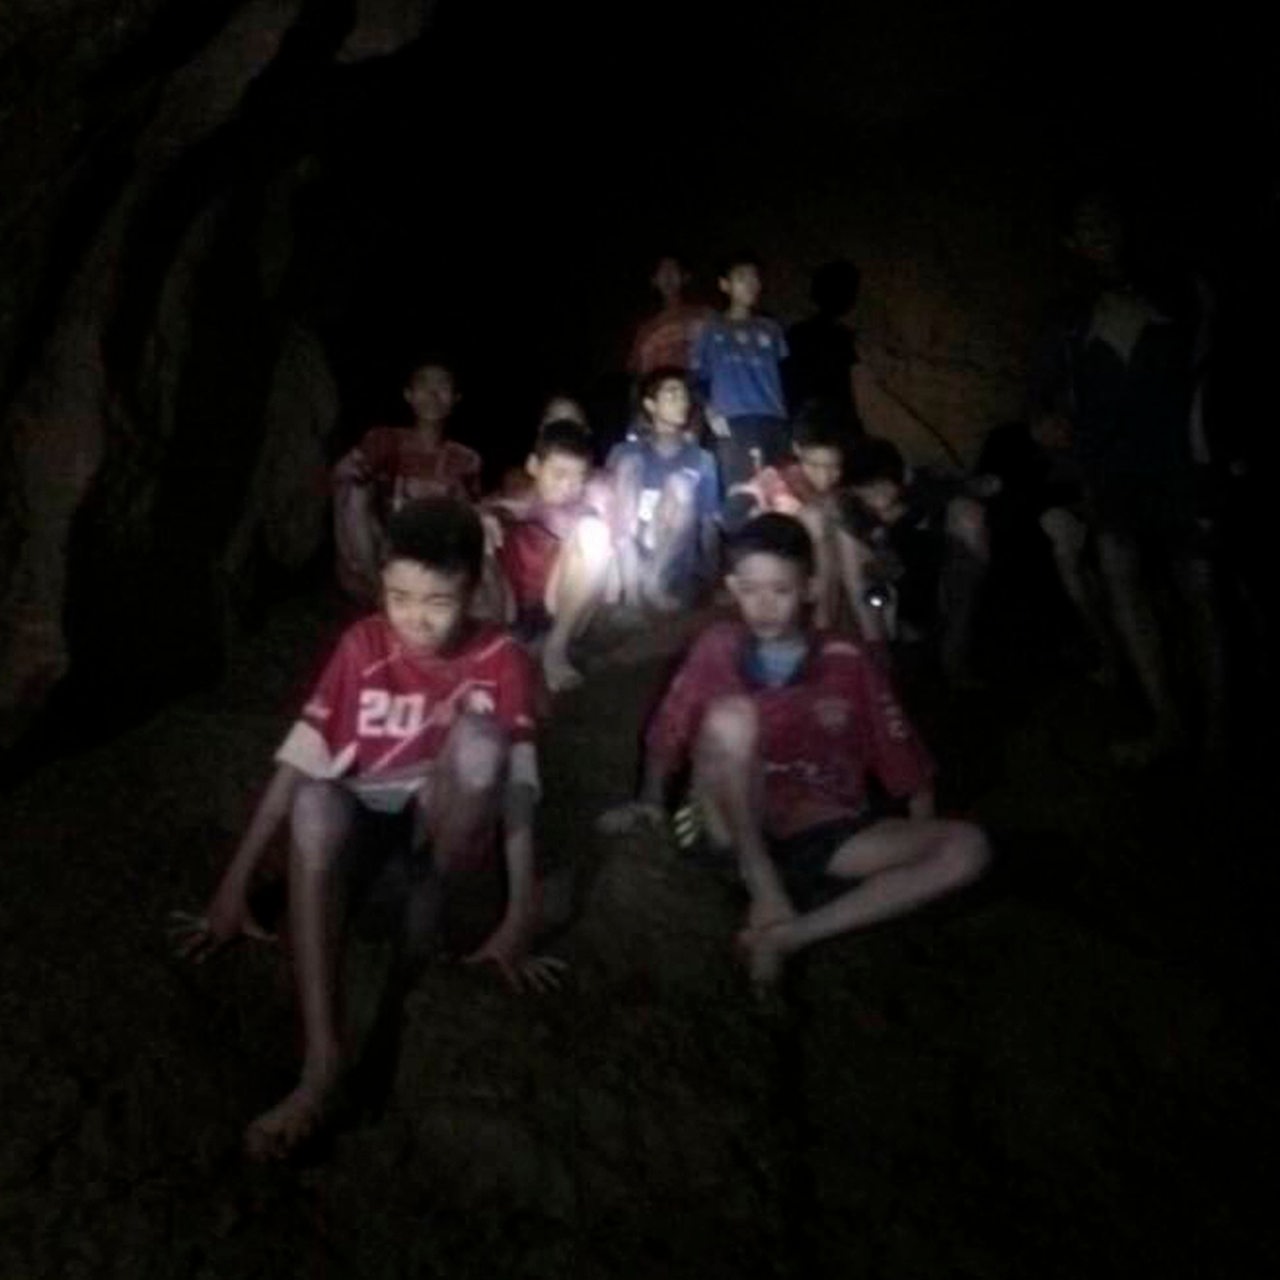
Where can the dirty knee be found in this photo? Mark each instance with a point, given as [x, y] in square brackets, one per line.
[965, 853]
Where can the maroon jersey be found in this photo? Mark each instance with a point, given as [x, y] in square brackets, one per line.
[532, 536]
[404, 469]
[820, 734]
[380, 714]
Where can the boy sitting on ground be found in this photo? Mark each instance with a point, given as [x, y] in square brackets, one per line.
[805, 488]
[416, 743]
[910, 551]
[549, 551]
[665, 501]
[782, 725]
[393, 465]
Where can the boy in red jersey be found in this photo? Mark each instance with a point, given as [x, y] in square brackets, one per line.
[805, 488]
[394, 465]
[550, 550]
[417, 741]
[782, 726]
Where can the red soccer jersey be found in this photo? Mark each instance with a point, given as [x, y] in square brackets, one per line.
[380, 715]
[820, 733]
[532, 536]
[404, 469]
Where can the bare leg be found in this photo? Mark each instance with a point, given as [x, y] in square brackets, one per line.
[820, 521]
[1136, 625]
[964, 570]
[728, 784]
[577, 586]
[1067, 535]
[457, 820]
[674, 529]
[628, 480]
[901, 863]
[323, 814]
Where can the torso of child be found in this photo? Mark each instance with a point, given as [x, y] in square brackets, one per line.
[379, 715]
[406, 467]
[820, 733]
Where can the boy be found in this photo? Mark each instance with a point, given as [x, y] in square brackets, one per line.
[392, 465]
[417, 741]
[666, 340]
[737, 365]
[914, 550]
[665, 500]
[806, 488]
[782, 726]
[549, 550]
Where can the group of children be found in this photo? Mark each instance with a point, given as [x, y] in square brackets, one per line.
[418, 742]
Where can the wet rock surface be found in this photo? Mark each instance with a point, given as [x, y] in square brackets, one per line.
[1060, 1076]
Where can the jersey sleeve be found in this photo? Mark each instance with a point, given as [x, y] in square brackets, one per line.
[895, 753]
[379, 447]
[322, 742]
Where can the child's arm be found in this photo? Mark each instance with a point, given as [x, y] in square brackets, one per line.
[853, 559]
[227, 915]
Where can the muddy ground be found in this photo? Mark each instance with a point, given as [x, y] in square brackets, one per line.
[1066, 1074]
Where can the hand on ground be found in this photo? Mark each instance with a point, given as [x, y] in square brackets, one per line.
[505, 949]
[197, 937]
[560, 674]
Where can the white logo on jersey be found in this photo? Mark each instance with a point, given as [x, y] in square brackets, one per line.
[764, 340]
[480, 702]
[390, 715]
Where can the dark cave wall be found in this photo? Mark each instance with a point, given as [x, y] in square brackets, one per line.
[152, 372]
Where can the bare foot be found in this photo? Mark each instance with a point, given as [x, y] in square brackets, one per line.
[276, 1133]
[560, 673]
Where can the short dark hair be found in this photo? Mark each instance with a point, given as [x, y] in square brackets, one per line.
[430, 360]
[873, 459]
[772, 534]
[444, 534]
[653, 381]
[743, 258]
[816, 427]
[564, 435]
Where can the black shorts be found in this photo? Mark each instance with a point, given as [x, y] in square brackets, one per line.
[802, 860]
[380, 868]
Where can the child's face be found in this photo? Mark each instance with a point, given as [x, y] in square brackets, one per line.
[668, 408]
[559, 478]
[883, 498]
[431, 393]
[425, 607]
[822, 466]
[770, 593]
[742, 285]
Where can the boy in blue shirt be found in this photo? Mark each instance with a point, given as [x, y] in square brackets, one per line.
[665, 500]
[737, 366]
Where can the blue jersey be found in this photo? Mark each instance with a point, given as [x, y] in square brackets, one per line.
[738, 365]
